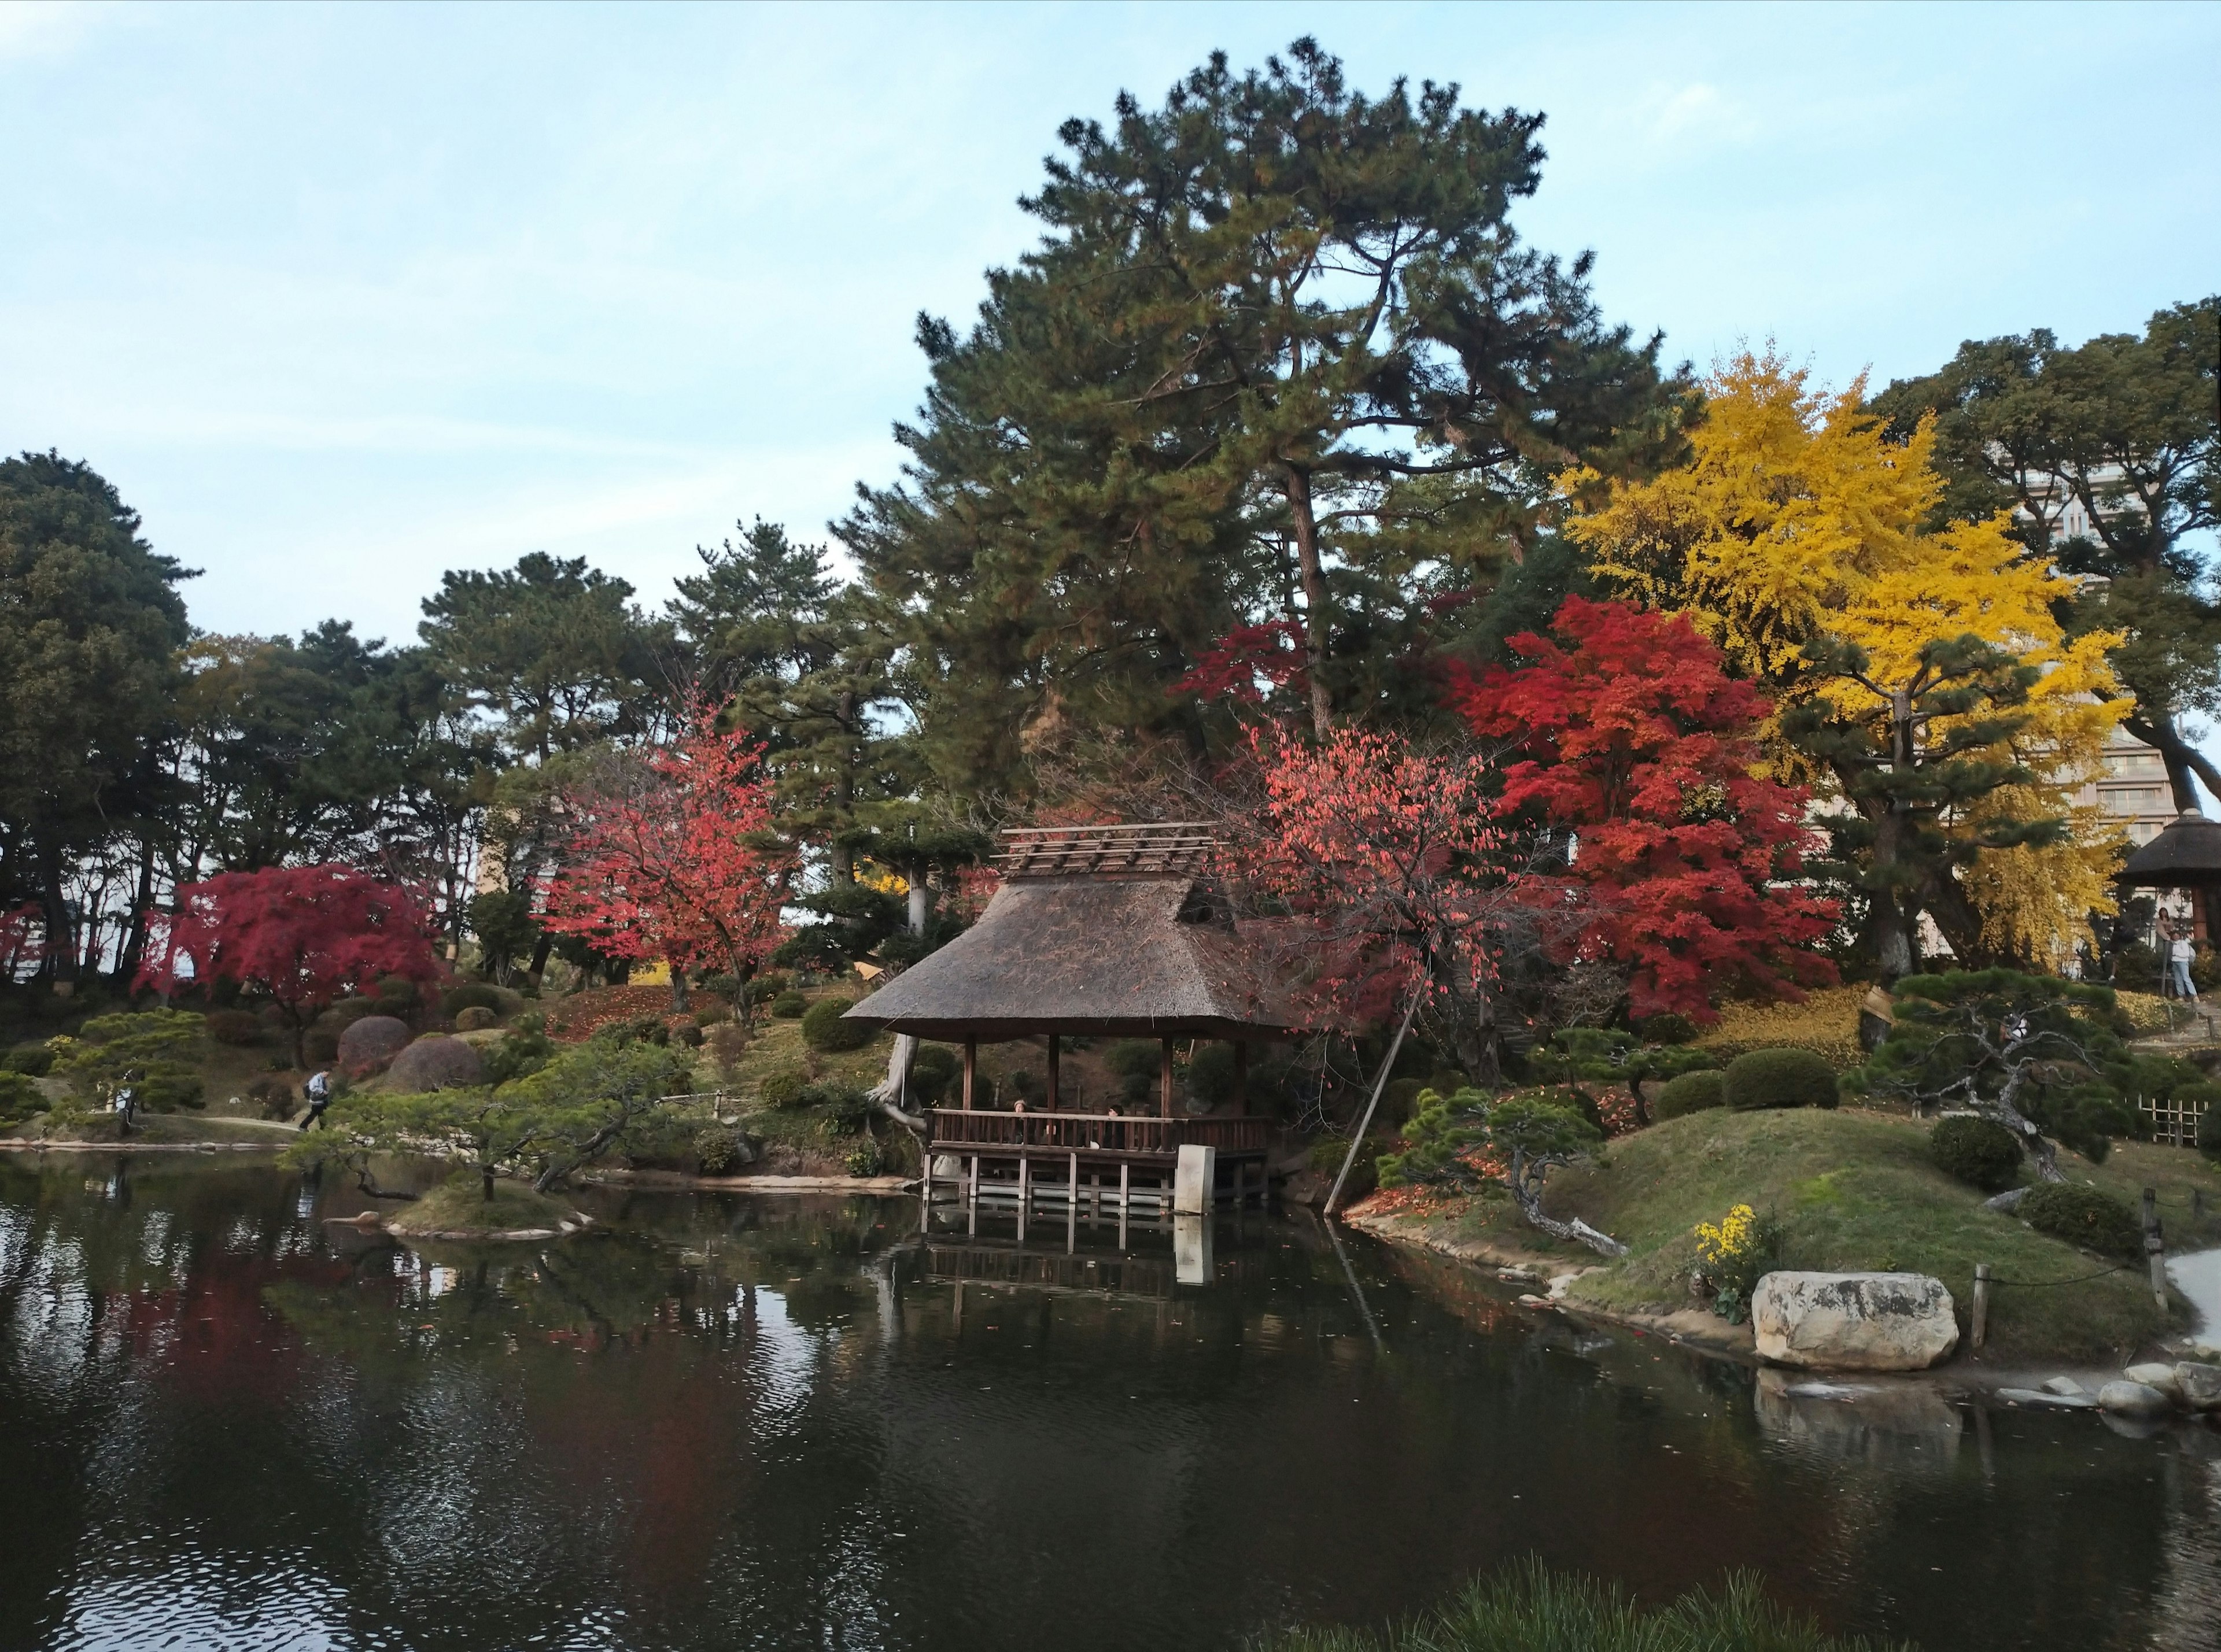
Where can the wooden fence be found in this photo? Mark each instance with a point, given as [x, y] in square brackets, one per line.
[1096, 1133]
[2174, 1123]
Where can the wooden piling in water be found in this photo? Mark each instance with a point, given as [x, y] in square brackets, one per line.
[1981, 1314]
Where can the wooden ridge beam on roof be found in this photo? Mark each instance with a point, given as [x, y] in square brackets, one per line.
[1147, 847]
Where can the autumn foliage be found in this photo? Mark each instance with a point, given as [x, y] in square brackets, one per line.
[304, 935]
[1625, 730]
[670, 855]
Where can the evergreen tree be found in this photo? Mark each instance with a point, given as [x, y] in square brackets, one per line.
[91, 624]
[1280, 358]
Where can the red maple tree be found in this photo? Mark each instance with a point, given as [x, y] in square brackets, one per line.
[1629, 735]
[305, 935]
[1389, 860]
[670, 855]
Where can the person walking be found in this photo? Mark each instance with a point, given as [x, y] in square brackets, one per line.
[318, 1090]
[127, 1102]
[2180, 952]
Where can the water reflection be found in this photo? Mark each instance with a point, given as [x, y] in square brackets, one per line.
[227, 1418]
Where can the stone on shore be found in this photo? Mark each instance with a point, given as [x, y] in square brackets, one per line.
[2161, 1377]
[2200, 1386]
[2063, 1385]
[2132, 1399]
[2038, 1397]
[1853, 1322]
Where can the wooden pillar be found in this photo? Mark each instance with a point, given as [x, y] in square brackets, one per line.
[1055, 1057]
[1165, 1083]
[971, 1068]
[1242, 1077]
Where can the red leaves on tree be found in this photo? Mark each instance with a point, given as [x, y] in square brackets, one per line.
[667, 857]
[303, 934]
[1630, 734]
[1231, 668]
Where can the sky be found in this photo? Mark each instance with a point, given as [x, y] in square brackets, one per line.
[340, 298]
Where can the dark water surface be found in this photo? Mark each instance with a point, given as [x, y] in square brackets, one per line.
[768, 1422]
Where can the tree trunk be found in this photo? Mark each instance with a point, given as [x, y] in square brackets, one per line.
[1530, 1200]
[134, 938]
[677, 990]
[538, 969]
[486, 1172]
[1314, 578]
[61, 940]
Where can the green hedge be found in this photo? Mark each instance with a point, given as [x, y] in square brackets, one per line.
[822, 1027]
[1979, 1152]
[1691, 1092]
[1778, 1078]
[2083, 1216]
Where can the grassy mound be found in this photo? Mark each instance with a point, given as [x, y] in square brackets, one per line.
[458, 1205]
[1531, 1609]
[1857, 1190]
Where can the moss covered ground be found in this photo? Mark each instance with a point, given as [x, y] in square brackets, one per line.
[458, 1205]
[1855, 1190]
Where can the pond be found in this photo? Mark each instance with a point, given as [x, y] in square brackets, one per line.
[776, 1422]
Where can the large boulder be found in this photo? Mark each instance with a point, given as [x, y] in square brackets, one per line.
[435, 1062]
[2198, 1385]
[1853, 1322]
[2132, 1399]
[369, 1042]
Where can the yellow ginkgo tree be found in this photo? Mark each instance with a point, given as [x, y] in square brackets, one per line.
[1924, 679]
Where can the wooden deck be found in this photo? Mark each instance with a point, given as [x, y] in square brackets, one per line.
[1098, 1158]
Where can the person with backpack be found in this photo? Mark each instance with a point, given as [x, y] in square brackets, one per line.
[318, 1090]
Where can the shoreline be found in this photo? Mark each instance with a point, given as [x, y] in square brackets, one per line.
[1959, 1376]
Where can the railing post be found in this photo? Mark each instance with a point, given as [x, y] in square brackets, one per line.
[1165, 1083]
[971, 1068]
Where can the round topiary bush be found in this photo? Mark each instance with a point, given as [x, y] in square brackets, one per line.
[20, 1097]
[720, 1149]
[349, 1010]
[1691, 1092]
[398, 992]
[320, 1045]
[824, 1029]
[2083, 1216]
[1979, 1152]
[32, 1060]
[932, 1072]
[784, 1088]
[435, 1062]
[1667, 1028]
[471, 994]
[2209, 1129]
[1778, 1078]
[789, 1007]
[369, 1043]
[475, 1018]
[234, 1026]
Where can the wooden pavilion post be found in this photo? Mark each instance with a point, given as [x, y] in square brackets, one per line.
[1055, 1055]
[971, 1068]
[1242, 1077]
[1165, 1083]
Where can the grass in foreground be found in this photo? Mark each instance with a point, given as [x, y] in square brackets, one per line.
[1855, 1190]
[458, 1205]
[1530, 1608]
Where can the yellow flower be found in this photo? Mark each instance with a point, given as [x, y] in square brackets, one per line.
[1732, 1237]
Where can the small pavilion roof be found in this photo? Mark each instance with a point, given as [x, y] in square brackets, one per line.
[2187, 855]
[1111, 931]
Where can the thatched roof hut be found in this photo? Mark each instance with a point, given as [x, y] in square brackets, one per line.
[2186, 855]
[1106, 931]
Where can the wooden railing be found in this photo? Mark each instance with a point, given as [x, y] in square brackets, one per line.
[1099, 1133]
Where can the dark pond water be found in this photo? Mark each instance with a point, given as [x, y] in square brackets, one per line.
[771, 1423]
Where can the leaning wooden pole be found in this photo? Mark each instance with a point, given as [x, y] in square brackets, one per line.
[1379, 1083]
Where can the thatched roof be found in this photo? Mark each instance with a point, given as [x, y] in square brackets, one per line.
[1106, 931]
[2187, 855]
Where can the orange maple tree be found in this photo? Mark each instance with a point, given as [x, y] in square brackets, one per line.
[670, 855]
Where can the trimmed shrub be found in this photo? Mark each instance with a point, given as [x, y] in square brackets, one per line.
[273, 1097]
[721, 1149]
[398, 992]
[688, 1031]
[319, 1046]
[709, 1013]
[20, 1097]
[435, 1063]
[933, 1073]
[847, 1108]
[1401, 1099]
[234, 1026]
[1135, 1062]
[863, 1160]
[1979, 1152]
[31, 1060]
[784, 1088]
[2083, 1216]
[1778, 1078]
[1210, 1075]
[526, 1048]
[790, 1006]
[727, 1042]
[1698, 1092]
[824, 1029]
[1665, 1028]
[369, 1043]
[348, 1010]
[1028, 1085]
[471, 994]
[474, 1018]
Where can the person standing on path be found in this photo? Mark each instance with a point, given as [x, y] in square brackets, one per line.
[318, 1090]
[2180, 952]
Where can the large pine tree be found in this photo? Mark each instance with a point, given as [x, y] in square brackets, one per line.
[1280, 369]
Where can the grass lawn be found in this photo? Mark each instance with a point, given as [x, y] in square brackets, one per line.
[458, 1205]
[1855, 1190]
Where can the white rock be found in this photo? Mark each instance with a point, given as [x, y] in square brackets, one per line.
[1853, 1322]
[2064, 1385]
[2132, 1399]
[2038, 1397]
[2200, 1386]
[2161, 1377]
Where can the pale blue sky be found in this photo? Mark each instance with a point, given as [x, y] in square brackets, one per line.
[343, 296]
